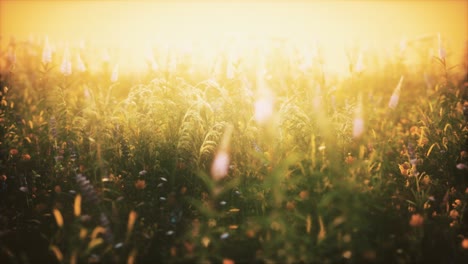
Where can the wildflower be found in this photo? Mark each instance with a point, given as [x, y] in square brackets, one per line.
[454, 214]
[416, 220]
[140, 184]
[205, 241]
[426, 180]
[290, 205]
[66, 67]
[46, 52]
[464, 154]
[263, 109]
[358, 127]
[228, 261]
[464, 243]
[359, 67]
[80, 65]
[349, 159]
[414, 131]
[441, 51]
[347, 254]
[14, 152]
[26, 157]
[304, 194]
[115, 73]
[250, 233]
[220, 166]
[149, 57]
[462, 166]
[405, 169]
[396, 95]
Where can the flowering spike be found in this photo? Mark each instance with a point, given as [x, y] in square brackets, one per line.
[263, 109]
[358, 127]
[358, 124]
[46, 52]
[220, 166]
[359, 67]
[80, 64]
[66, 67]
[115, 73]
[441, 51]
[396, 95]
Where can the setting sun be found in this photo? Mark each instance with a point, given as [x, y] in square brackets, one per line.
[132, 27]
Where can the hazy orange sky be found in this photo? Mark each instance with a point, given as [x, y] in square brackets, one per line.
[333, 23]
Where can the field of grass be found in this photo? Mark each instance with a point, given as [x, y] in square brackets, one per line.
[252, 157]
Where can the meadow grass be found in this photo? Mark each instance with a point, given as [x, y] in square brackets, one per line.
[259, 158]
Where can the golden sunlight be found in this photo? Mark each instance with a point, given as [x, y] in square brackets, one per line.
[132, 26]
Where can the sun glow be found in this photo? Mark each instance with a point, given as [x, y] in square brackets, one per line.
[130, 29]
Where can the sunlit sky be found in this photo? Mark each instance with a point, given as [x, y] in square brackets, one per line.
[335, 24]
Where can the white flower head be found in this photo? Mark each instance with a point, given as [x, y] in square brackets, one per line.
[359, 67]
[396, 95]
[263, 109]
[80, 64]
[66, 66]
[441, 50]
[358, 123]
[220, 166]
[46, 52]
[115, 73]
[358, 127]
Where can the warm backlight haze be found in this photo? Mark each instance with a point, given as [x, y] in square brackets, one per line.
[132, 25]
